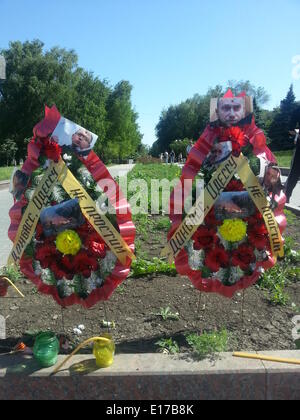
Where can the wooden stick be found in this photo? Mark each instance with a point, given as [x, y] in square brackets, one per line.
[12, 284]
[267, 358]
[90, 340]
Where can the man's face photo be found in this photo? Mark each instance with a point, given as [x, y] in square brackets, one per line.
[82, 139]
[231, 110]
[77, 138]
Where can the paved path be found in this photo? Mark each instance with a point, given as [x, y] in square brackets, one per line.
[295, 198]
[6, 203]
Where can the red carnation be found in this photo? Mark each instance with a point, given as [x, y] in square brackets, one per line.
[58, 272]
[84, 264]
[204, 238]
[217, 258]
[258, 240]
[52, 150]
[243, 256]
[46, 254]
[97, 249]
[210, 219]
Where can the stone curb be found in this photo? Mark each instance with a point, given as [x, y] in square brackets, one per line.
[294, 209]
[152, 377]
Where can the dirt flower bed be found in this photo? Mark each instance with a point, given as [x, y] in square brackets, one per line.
[139, 309]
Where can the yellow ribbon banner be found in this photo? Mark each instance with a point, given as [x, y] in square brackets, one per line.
[59, 172]
[196, 215]
[99, 222]
[258, 196]
[213, 190]
[32, 214]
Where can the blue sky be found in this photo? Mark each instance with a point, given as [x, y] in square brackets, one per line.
[168, 49]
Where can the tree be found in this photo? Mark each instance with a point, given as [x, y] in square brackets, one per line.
[189, 118]
[8, 151]
[36, 78]
[123, 137]
[258, 93]
[283, 123]
[180, 146]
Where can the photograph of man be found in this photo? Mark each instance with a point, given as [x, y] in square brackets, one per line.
[18, 184]
[231, 111]
[73, 137]
[81, 142]
[61, 217]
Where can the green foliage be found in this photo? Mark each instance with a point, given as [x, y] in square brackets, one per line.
[123, 137]
[8, 151]
[36, 77]
[208, 343]
[284, 158]
[283, 122]
[167, 314]
[6, 173]
[140, 268]
[275, 280]
[168, 345]
[188, 119]
[163, 224]
[179, 146]
[11, 272]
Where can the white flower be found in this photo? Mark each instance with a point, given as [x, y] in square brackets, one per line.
[67, 157]
[77, 331]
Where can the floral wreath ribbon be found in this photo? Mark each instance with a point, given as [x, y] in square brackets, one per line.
[59, 172]
[212, 192]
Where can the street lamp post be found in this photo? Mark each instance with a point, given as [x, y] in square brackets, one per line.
[2, 72]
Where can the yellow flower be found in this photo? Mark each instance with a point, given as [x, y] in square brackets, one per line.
[68, 242]
[233, 230]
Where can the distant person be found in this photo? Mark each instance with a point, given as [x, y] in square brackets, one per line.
[180, 158]
[166, 154]
[189, 148]
[172, 156]
[161, 156]
[295, 168]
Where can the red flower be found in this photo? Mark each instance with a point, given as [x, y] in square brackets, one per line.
[243, 256]
[217, 258]
[235, 185]
[211, 220]
[97, 249]
[51, 150]
[84, 264]
[236, 136]
[204, 238]
[39, 231]
[58, 272]
[258, 240]
[46, 254]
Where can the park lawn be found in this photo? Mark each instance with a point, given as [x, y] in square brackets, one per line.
[284, 158]
[5, 172]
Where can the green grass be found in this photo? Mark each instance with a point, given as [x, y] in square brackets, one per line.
[284, 158]
[167, 345]
[208, 343]
[5, 172]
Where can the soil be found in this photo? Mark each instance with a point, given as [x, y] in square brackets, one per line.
[136, 304]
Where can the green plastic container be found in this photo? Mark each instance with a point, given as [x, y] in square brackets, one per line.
[46, 348]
